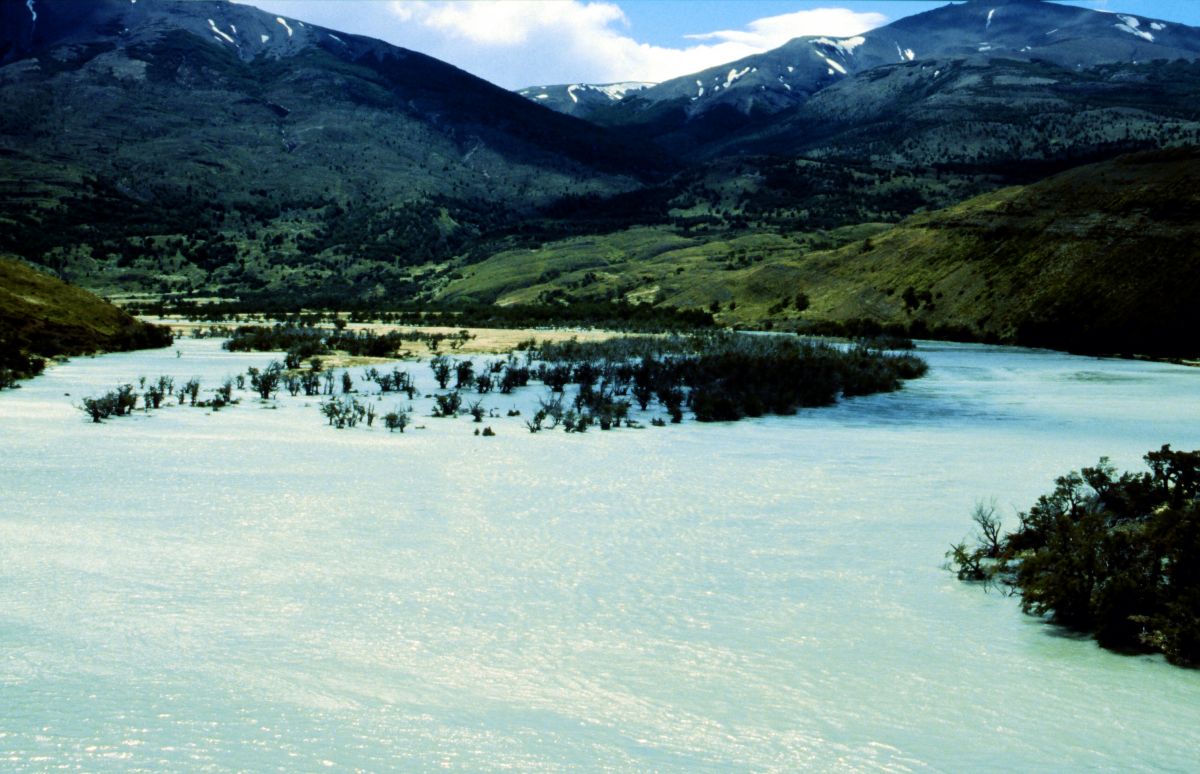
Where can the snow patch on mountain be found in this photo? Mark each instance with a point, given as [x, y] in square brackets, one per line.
[835, 66]
[280, 19]
[991, 13]
[616, 91]
[1130, 24]
[846, 45]
[217, 31]
[734, 74]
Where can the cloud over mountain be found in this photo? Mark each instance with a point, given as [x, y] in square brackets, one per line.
[523, 42]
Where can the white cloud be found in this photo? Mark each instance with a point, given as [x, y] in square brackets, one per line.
[530, 42]
[773, 31]
[510, 23]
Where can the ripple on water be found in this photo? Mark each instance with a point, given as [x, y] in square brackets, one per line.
[252, 590]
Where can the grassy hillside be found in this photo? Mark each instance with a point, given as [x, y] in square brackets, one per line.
[1101, 258]
[41, 317]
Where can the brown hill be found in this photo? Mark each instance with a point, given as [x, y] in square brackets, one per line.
[41, 317]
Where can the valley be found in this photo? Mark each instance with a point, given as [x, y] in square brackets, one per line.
[359, 413]
[316, 169]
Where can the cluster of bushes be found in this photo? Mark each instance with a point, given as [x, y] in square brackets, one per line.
[346, 411]
[1117, 556]
[723, 376]
[598, 408]
[396, 380]
[154, 395]
[502, 375]
[115, 403]
[302, 343]
[16, 364]
[719, 376]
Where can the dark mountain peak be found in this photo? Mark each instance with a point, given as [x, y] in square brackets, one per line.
[28, 27]
[204, 129]
[979, 30]
[581, 99]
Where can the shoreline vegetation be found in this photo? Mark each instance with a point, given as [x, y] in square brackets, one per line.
[608, 315]
[497, 328]
[717, 376]
[1115, 556]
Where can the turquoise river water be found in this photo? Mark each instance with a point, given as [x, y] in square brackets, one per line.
[252, 590]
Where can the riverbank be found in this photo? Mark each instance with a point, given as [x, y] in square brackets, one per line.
[480, 341]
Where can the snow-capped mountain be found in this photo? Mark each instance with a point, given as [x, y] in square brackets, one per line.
[28, 26]
[976, 30]
[582, 99]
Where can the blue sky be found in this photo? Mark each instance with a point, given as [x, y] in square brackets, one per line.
[517, 43]
[662, 22]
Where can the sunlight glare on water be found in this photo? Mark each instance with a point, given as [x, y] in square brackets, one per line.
[253, 590]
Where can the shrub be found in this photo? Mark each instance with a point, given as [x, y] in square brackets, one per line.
[447, 404]
[1117, 556]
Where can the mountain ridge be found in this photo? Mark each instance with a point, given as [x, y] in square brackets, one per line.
[785, 77]
[266, 165]
[176, 160]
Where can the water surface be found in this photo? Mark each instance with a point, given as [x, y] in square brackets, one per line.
[252, 590]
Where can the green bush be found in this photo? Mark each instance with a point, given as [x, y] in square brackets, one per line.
[1116, 556]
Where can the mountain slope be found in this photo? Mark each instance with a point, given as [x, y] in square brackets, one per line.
[1101, 258]
[986, 116]
[176, 145]
[41, 317]
[581, 99]
[977, 30]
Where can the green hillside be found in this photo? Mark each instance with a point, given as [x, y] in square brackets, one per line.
[42, 317]
[1102, 258]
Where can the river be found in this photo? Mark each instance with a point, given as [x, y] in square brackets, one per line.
[252, 590]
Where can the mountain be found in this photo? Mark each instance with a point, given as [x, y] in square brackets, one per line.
[581, 99]
[203, 150]
[171, 146]
[996, 116]
[976, 31]
[42, 317]
[1101, 258]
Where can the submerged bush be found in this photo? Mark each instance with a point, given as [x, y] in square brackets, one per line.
[726, 376]
[1116, 556]
[343, 412]
[447, 404]
[396, 420]
[115, 403]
